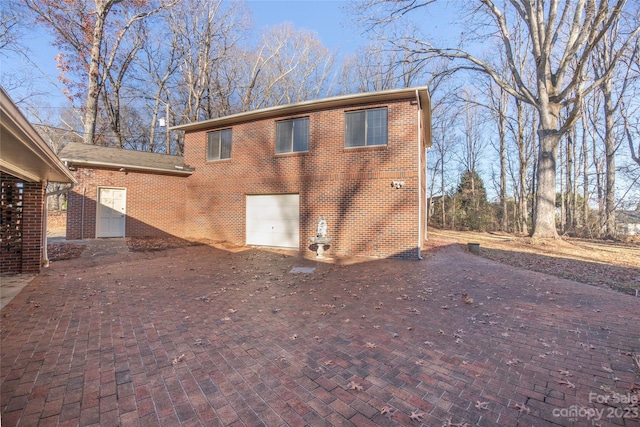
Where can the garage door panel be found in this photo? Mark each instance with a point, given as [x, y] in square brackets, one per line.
[273, 220]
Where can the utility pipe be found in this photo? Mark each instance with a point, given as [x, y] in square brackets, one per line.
[419, 177]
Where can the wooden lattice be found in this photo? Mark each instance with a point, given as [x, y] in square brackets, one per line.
[11, 215]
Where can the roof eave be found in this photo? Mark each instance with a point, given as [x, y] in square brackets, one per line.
[302, 107]
[126, 167]
[32, 148]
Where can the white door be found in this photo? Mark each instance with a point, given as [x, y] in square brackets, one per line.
[111, 212]
[273, 220]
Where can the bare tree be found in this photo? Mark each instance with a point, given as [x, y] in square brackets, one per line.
[10, 30]
[206, 33]
[474, 142]
[85, 31]
[613, 86]
[445, 118]
[498, 102]
[287, 66]
[521, 128]
[562, 36]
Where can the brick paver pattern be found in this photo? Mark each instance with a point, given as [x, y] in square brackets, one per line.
[199, 336]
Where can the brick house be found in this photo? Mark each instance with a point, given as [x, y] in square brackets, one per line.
[124, 193]
[27, 163]
[264, 178]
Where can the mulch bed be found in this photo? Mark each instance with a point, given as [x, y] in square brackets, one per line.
[151, 244]
[62, 251]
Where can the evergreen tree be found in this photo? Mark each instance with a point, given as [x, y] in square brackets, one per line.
[474, 212]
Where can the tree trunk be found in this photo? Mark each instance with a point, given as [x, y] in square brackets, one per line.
[599, 165]
[93, 90]
[522, 176]
[585, 179]
[444, 215]
[570, 207]
[544, 218]
[562, 196]
[610, 162]
[503, 174]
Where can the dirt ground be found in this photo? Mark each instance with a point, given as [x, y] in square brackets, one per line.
[610, 264]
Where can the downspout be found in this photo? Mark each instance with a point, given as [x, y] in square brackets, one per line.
[426, 185]
[419, 179]
[84, 196]
[45, 255]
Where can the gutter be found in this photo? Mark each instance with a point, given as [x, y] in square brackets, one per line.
[179, 170]
[301, 107]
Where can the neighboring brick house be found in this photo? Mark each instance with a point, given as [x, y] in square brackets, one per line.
[27, 163]
[124, 193]
[264, 177]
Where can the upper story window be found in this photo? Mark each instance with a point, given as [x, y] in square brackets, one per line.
[219, 145]
[292, 135]
[366, 127]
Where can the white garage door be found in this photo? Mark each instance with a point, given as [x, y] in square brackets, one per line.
[273, 220]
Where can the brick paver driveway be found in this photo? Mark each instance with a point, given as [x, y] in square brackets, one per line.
[201, 336]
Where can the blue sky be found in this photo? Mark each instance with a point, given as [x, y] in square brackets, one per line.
[328, 18]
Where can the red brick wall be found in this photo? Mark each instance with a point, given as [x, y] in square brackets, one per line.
[350, 187]
[155, 203]
[21, 246]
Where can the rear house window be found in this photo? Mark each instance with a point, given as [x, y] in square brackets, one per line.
[292, 135]
[219, 145]
[366, 127]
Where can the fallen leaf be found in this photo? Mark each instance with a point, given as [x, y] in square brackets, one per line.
[387, 411]
[522, 408]
[568, 383]
[482, 405]
[416, 415]
[355, 386]
[178, 359]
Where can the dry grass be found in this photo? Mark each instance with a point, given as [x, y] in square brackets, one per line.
[601, 263]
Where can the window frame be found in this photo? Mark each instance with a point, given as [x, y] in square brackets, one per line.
[363, 128]
[292, 143]
[210, 139]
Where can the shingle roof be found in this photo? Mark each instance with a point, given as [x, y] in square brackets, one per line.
[80, 154]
